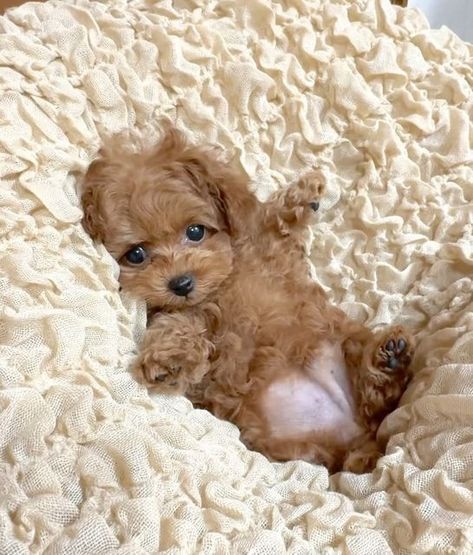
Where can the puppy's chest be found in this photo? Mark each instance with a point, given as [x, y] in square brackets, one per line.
[255, 310]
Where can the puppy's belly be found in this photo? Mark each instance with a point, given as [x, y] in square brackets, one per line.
[315, 402]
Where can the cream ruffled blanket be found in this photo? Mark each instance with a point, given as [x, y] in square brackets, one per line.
[90, 461]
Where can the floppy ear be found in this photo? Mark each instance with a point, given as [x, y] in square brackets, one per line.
[92, 200]
[232, 196]
[213, 177]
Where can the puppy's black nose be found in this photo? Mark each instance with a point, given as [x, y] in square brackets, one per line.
[181, 285]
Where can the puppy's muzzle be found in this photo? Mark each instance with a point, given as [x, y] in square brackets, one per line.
[182, 285]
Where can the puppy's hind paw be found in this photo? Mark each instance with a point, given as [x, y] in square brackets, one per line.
[395, 352]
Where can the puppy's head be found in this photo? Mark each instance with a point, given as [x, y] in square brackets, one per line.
[168, 215]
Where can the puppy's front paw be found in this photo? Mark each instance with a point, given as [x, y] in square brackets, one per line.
[172, 373]
[163, 373]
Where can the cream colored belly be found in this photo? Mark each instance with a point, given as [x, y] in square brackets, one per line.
[315, 402]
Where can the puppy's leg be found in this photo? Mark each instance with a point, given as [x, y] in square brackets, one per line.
[294, 207]
[175, 352]
[379, 369]
[331, 457]
[363, 455]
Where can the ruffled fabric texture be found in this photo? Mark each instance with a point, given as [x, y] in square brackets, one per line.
[90, 461]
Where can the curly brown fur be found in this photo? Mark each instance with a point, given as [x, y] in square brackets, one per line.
[253, 339]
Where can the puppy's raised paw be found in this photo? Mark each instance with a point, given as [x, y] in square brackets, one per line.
[395, 352]
[308, 190]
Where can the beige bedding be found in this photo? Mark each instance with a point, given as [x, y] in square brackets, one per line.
[93, 463]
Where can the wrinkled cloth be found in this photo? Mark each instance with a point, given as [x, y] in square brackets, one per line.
[91, 461]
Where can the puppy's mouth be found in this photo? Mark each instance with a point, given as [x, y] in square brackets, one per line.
[171, 302]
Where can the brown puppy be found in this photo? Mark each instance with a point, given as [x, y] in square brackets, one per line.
[237, 323]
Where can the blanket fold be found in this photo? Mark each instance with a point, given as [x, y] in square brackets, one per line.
[91, 462]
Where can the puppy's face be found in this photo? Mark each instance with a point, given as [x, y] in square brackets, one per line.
[171, 244]
[167, 217]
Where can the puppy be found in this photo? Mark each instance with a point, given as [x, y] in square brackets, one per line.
[236, 322]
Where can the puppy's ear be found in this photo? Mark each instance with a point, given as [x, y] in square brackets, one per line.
[214, 178]
[92, 200]
[231, 195]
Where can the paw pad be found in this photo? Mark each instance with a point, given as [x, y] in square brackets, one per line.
[395, 353]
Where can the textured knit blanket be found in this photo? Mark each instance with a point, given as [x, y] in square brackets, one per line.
[91, 462]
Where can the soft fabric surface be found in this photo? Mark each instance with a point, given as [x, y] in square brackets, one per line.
[90, 461]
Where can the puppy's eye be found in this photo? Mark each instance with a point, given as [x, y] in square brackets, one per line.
[195, 233]
[136, 255]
